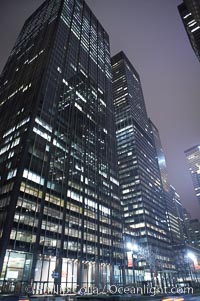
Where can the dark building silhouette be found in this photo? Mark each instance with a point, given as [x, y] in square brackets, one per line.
[60, 212]
[139, 176]
[194, 7]
[190, 14]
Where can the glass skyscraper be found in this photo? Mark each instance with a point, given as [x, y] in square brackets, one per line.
[139, 176]
[60, 212]
[177, 220]
[194, 233]
[172, 199]
[193, 159]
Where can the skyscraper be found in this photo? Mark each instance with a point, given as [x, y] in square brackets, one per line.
[160, 157]
[193, 158]
[172, 199]
[194, 233]
[190, 13]
[194, 7]
[183, 216]
[185, 256]
[139, 176]
[60, 217]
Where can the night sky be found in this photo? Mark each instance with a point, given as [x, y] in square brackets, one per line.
[153, 37]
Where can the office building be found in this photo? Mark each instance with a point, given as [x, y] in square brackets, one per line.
[190, 14]
[194, 233]
[183, 216]
[175, 220]
[60, 212]
[194, 8]
[139, 176]
[170, 195]
[193, 159]
[172, 199]
[160, 156]
[185, 255]
[186, 217]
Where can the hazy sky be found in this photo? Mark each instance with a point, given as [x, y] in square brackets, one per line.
[153, 37]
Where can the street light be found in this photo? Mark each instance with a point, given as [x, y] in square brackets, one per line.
[194, 260]
[192, 256]
[133, 247]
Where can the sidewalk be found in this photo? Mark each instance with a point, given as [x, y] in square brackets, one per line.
[95, 298]
[52, 298]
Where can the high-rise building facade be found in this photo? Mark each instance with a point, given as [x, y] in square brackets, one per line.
[185, 256]
[194, 8]
[193, 159]
[186, 217]
[60, 212]
[139, 176]
[190, 14]
[160, 157]
[172, 199]
[183, 216]
[194, 233]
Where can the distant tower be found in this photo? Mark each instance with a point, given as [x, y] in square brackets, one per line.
[172, 199]
[193, 158]
[194, 233]
[190, 13]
